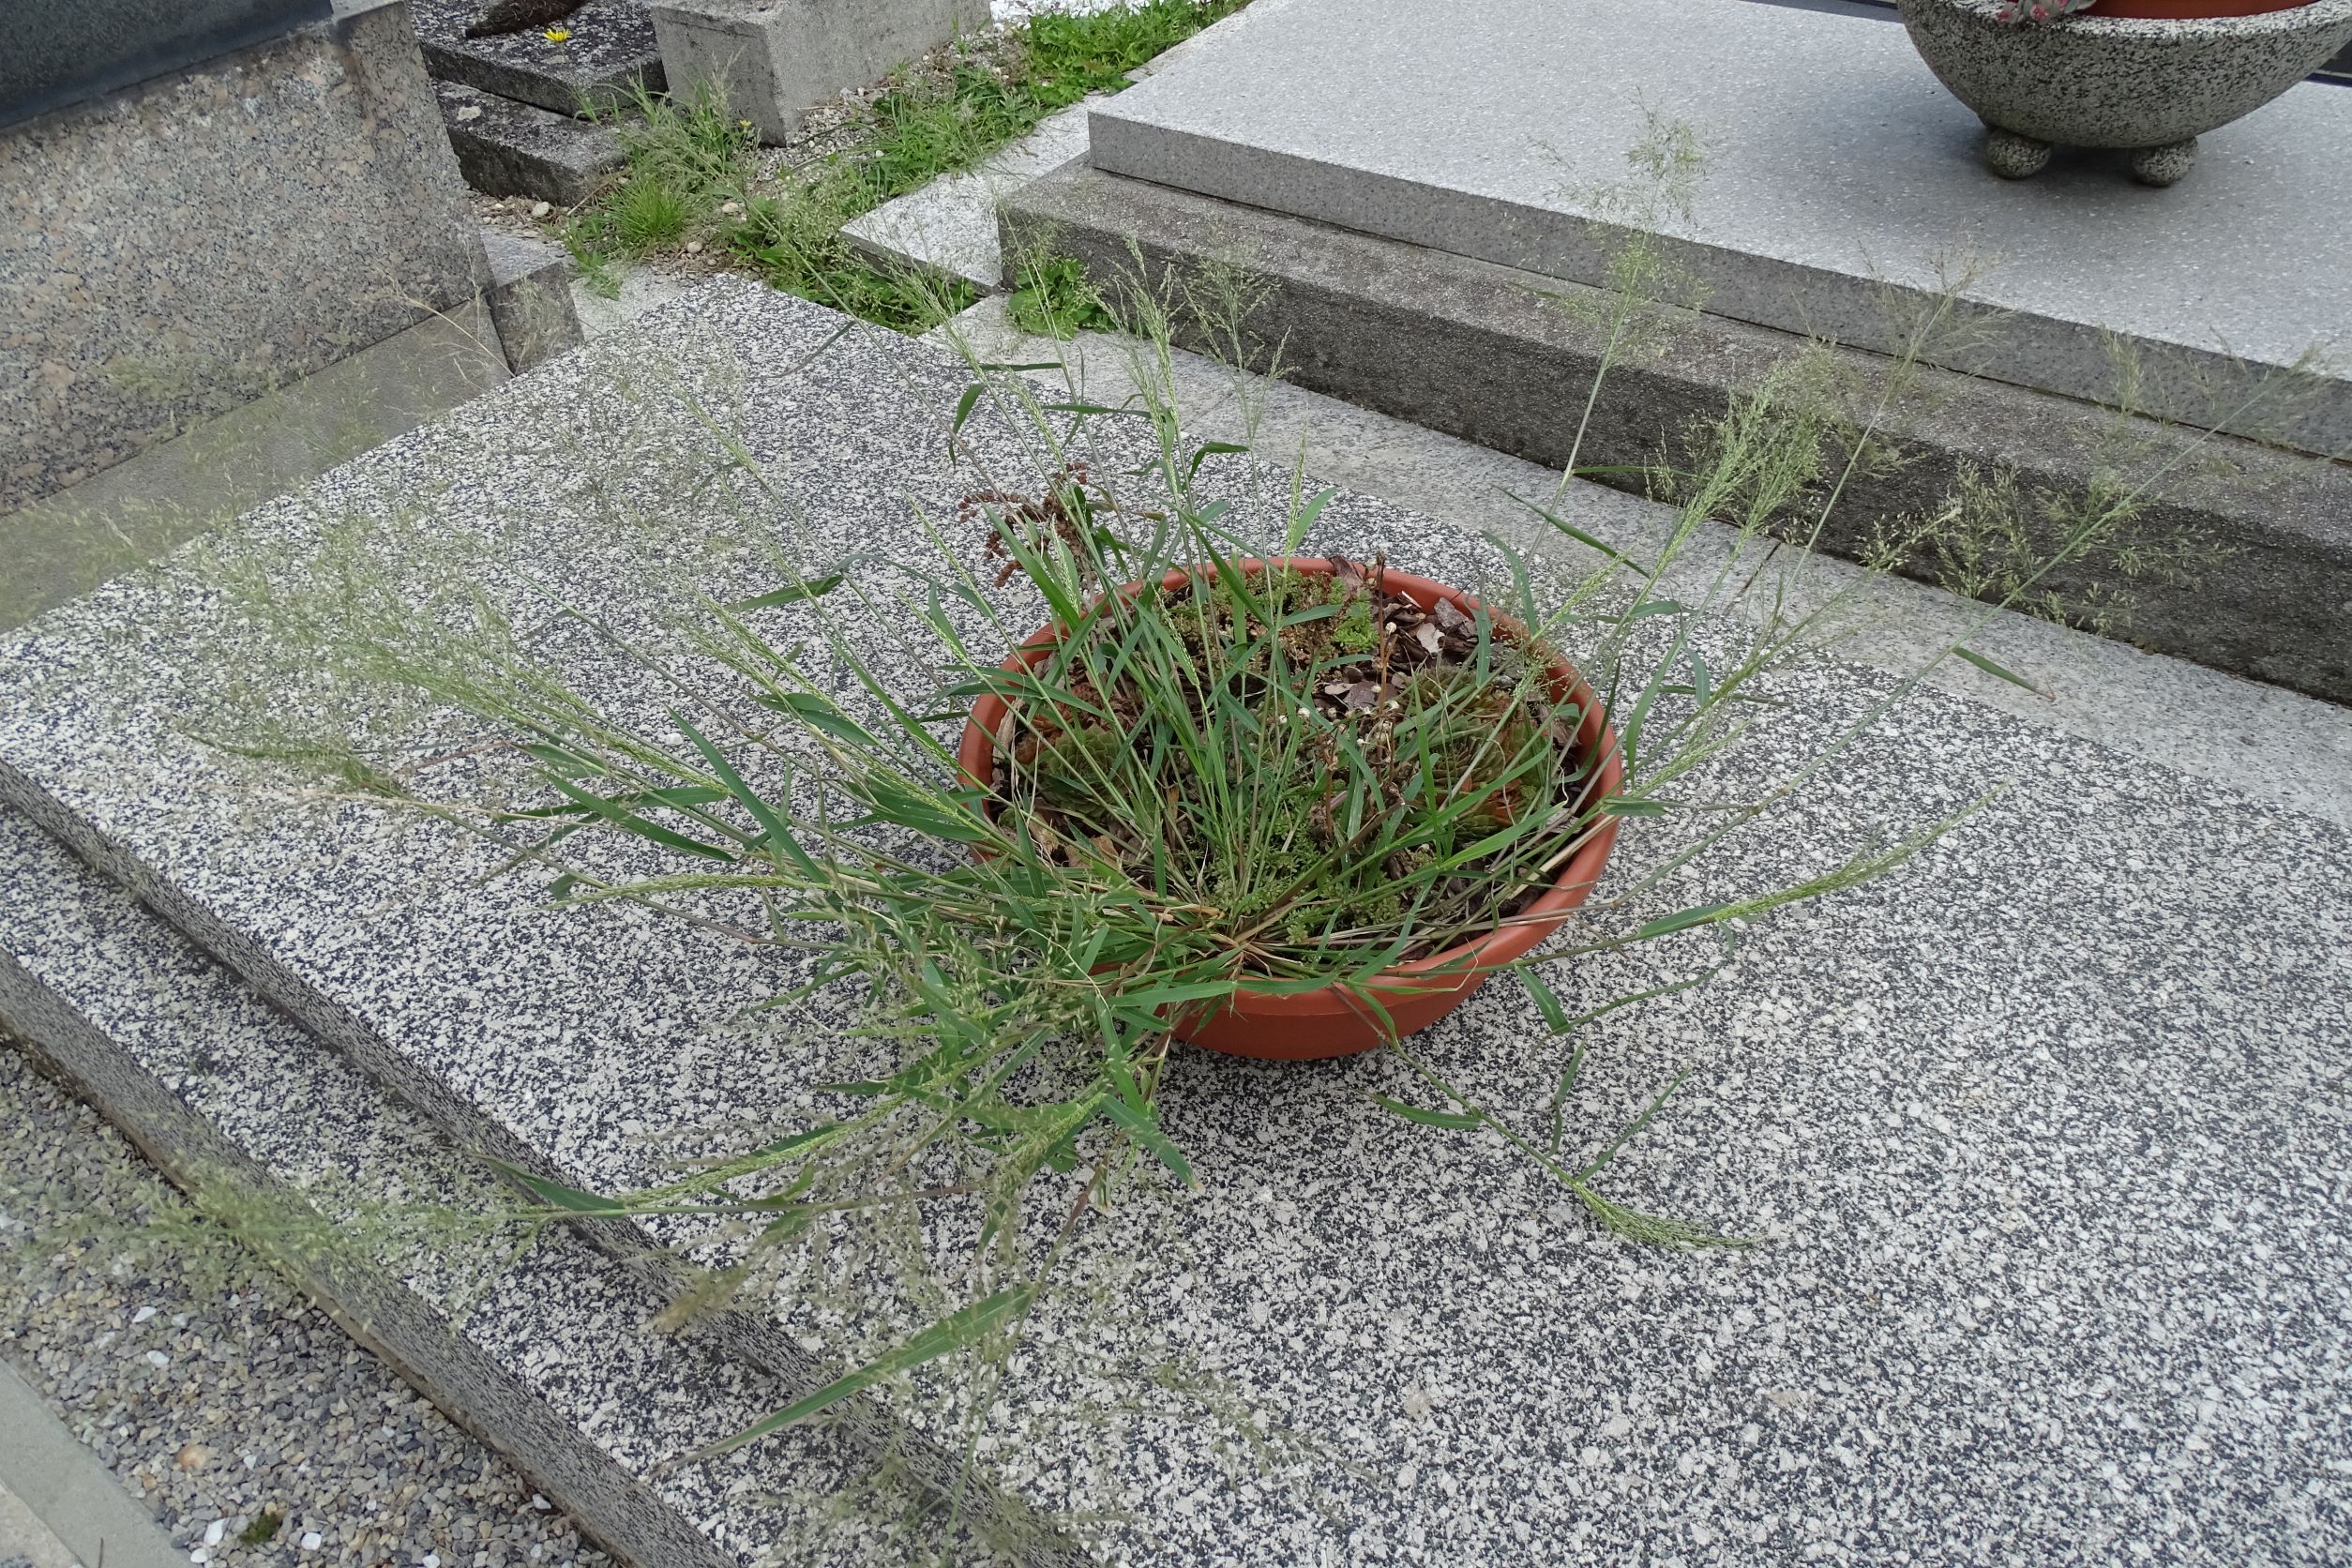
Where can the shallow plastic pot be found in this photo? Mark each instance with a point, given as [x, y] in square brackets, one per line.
[1304, 1026]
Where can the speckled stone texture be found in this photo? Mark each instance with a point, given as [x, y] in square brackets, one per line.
[506, 147]
[61, 51]
[531, 299]
[2039, 1139]
[608, 50]
[212, 1390]
[2121, 82]
[181, 247]
[553, 1361]
[1835, 190]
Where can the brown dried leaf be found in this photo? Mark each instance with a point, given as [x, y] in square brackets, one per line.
[1362, 695]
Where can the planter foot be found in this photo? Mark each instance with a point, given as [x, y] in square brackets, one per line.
[2013, 156]
[2161, 166]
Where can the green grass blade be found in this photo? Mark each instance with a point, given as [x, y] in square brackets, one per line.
[965, 1326]
[2001, 672]
[778, 837]
[820, 714]
[1681, 920]
[1144, 1126]
[628, 821]
[792, 593]
[556, 1195]
[1452, 1120]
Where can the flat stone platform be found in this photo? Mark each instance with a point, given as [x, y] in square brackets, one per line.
[1838, 188]
[2040, 1138]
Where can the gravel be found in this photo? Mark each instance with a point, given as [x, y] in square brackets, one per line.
[254, 1429]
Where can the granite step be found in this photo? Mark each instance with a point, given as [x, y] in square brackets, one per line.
[1492, 354]
[506, 147]
[2038, 1138]
[2076, 283]
[550, 1357]
[606, 53]
[530, 299]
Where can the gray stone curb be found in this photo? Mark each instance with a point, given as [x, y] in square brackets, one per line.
[1477, 350]
[476, 1393]
[506, 147]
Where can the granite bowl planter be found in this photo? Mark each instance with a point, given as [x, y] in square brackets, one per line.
[2148, 85]
[1306, 1026]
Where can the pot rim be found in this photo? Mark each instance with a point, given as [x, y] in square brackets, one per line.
[1456, 968]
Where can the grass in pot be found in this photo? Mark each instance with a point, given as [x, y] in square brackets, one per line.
[1315, 756]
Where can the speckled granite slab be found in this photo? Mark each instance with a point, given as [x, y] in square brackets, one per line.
[606, 49]
[553, 1360]
[2040, 1138]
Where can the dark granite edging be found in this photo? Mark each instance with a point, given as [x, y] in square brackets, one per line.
[531, 299]
[1474, 349]
[608, 52]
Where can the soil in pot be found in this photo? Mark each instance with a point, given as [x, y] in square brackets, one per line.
[1375, 698]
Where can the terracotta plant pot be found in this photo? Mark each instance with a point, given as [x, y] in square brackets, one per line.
[1304, 1026]
[2147, 78]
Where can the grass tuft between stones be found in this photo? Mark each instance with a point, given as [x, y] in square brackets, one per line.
[696, 175]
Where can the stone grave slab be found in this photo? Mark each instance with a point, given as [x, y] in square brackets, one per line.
[774, 60]
[2039, 1139]
[531, 299]
[608, 48]
[1838, 188]
[231, 228]
[66, 51]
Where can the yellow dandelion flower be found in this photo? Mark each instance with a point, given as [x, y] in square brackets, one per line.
[557, 35]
